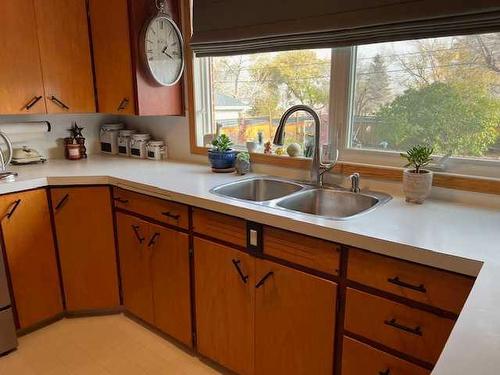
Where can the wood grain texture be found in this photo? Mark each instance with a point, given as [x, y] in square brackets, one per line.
[164, 211]
[359, 358]
[307, 251]
[366, 316]
[152, 99]
[219, 226]
[224, 305]
[445, 290]
[171, 283]
[135, 260]
[65, 54]
[20, 68]
[294, 322]
[84, 228]
[31, 257]
[112, 55]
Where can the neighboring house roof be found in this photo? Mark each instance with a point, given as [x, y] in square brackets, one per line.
[226, 102]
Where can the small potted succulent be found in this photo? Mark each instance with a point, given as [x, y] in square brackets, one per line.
[417, 182]
[242, 163]
[221, 156]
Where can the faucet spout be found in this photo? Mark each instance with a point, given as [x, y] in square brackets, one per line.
[318, 168]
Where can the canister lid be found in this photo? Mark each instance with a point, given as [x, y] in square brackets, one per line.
[156, 143]
[126, 132]
[118, 126]
[140, 137]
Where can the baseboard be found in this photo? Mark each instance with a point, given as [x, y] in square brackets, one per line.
[39, 325]
[93, 312]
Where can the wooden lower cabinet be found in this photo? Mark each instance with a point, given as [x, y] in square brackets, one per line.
[294, 321]
[360, 359]
[31, 256]
[225, 305]
[155, 275]
[84, 226]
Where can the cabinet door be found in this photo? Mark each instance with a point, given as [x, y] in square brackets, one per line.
[135, 266]
[171, 282]
[85, 236]
[294, 321]
[112, 56]
[224, 305]
[20, 72]
[31, 256]
[65, 55]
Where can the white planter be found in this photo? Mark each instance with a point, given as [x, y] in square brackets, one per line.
[417, 186]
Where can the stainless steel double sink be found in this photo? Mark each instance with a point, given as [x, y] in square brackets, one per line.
[331, 202]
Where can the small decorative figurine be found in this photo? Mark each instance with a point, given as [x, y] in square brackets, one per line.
[74, 146]
[268, 148]
[242, 163]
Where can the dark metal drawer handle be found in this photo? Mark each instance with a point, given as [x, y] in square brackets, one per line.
[13, 209]
[386, 372]
[58, 102]
[263, 280]
[61, 202]
[137, 234]
[237, 263]
[170, 215]
[32, 102]
[120, 200]
[152, 241]
[395, 280]
[393, 323]
[123, 104]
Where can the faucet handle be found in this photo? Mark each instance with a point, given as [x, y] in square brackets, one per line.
[355, 179]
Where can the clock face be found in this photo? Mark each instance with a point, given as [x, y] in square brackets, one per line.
[163, 50]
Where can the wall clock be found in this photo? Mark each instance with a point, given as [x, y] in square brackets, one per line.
[162, 47]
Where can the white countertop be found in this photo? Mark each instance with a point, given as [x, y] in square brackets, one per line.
[455, 236]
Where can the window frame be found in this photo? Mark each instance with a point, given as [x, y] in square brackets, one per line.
[342, 82]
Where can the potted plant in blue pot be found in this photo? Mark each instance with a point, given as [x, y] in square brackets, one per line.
[222, 158]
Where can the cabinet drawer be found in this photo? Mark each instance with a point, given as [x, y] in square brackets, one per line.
[164, 211]
[307, 251]
[411, 331]
[359, 358]
[219, 226]
[442, 289]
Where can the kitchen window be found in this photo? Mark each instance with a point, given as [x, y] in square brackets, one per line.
[374, 100]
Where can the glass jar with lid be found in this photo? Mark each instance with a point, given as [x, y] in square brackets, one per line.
[124, 138]
[138, 144]
[109, 138]
[156, 150]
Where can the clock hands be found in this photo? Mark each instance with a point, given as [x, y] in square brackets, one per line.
[166, 53]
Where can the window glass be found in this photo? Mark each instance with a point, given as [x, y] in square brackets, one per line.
[443, 92]
[247, 94]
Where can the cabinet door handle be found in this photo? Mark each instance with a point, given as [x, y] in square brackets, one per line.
[137, 234]
[393, 323]
[236, 264]
[13, 209]
[62, 202]
[171, 215]
[396, 281]
[263, 280]
[32, 102]
[385, 372]
[152, 241]
[120, 200]
[58, 102]
[123, 104]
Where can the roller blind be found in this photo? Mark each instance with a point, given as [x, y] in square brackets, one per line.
[225, 27]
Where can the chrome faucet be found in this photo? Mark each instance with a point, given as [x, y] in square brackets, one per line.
[355, 178]
[318, 168]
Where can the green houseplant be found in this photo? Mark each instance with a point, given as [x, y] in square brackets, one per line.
[417, 182]
[221, 156]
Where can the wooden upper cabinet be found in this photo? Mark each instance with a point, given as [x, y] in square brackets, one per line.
[21, 85]
[171, 282]
[65, 55]
[135, 266]
[85, 236]
[121, 72]
[294, 321]
[31, 256]
[225, 305]
[111, 37]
